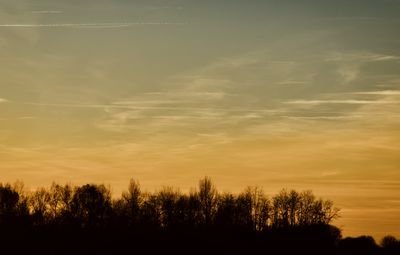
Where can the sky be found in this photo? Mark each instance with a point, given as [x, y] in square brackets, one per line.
[279, 94]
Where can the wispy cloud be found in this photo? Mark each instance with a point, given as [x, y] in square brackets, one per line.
[353, 18]
[349, 117]
[361, 19]
[189, 94]
[134, 105]
[89, 25]
[380, 93]
[349, 101]
[65, 105]
[157, 105]
[360, 56]
[349, 64]
[2, 100]
[349, 73]
[47, 12]
[291, 82]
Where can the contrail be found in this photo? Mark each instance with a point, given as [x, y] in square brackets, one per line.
[92, 25]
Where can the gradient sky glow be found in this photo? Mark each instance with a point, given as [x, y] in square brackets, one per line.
[281, 94]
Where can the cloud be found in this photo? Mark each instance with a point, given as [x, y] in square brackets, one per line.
[89, 25]
[46, 12]
[349, 73]
[348, 101]
[68, 105]
[173, 98]
[354, 18]
[131, 106]
[380, 93]
[350, 117]
[360, 56]
[349, 64]
[216, 96]
[127, 105]
[2, 100]
[291, 82]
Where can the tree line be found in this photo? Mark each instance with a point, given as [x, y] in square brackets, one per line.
[91, 205]
[168, 216]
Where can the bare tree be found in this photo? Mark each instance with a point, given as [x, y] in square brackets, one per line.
[281, 210]
[294, 202]
[132, 201]
[207, 196]
[168, 198]
[151, 211]
[306, 208]
[225, 216]
[260, 208]
[39, 205]
[301, 209]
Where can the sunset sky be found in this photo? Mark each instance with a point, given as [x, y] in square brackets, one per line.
[301, 94]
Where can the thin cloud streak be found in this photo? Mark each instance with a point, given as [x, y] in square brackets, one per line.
[46, 12]
[128, 106]
[90, 25]
[351, 117]
[360, 57]
[291, 82]
[353, 18]
[317, 102]
[383, 92]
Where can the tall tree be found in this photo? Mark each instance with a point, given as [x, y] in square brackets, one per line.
[208, 199]
[132, 201]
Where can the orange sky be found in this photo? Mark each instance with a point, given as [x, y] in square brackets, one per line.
[279, 95]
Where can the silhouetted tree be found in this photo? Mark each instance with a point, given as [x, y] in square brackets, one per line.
[390, 245]
[151, 211]
[128, 207]
[363, 245]
[91, 205]
[9, 199]
[306, 208]
[59, 201]
[293, 209]
[281, 210]
[260, 208]
[168, 198]
[39, 205]
[243, 211]
[207, 196]
[192, 211]
[225, 216]
[181, 213]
